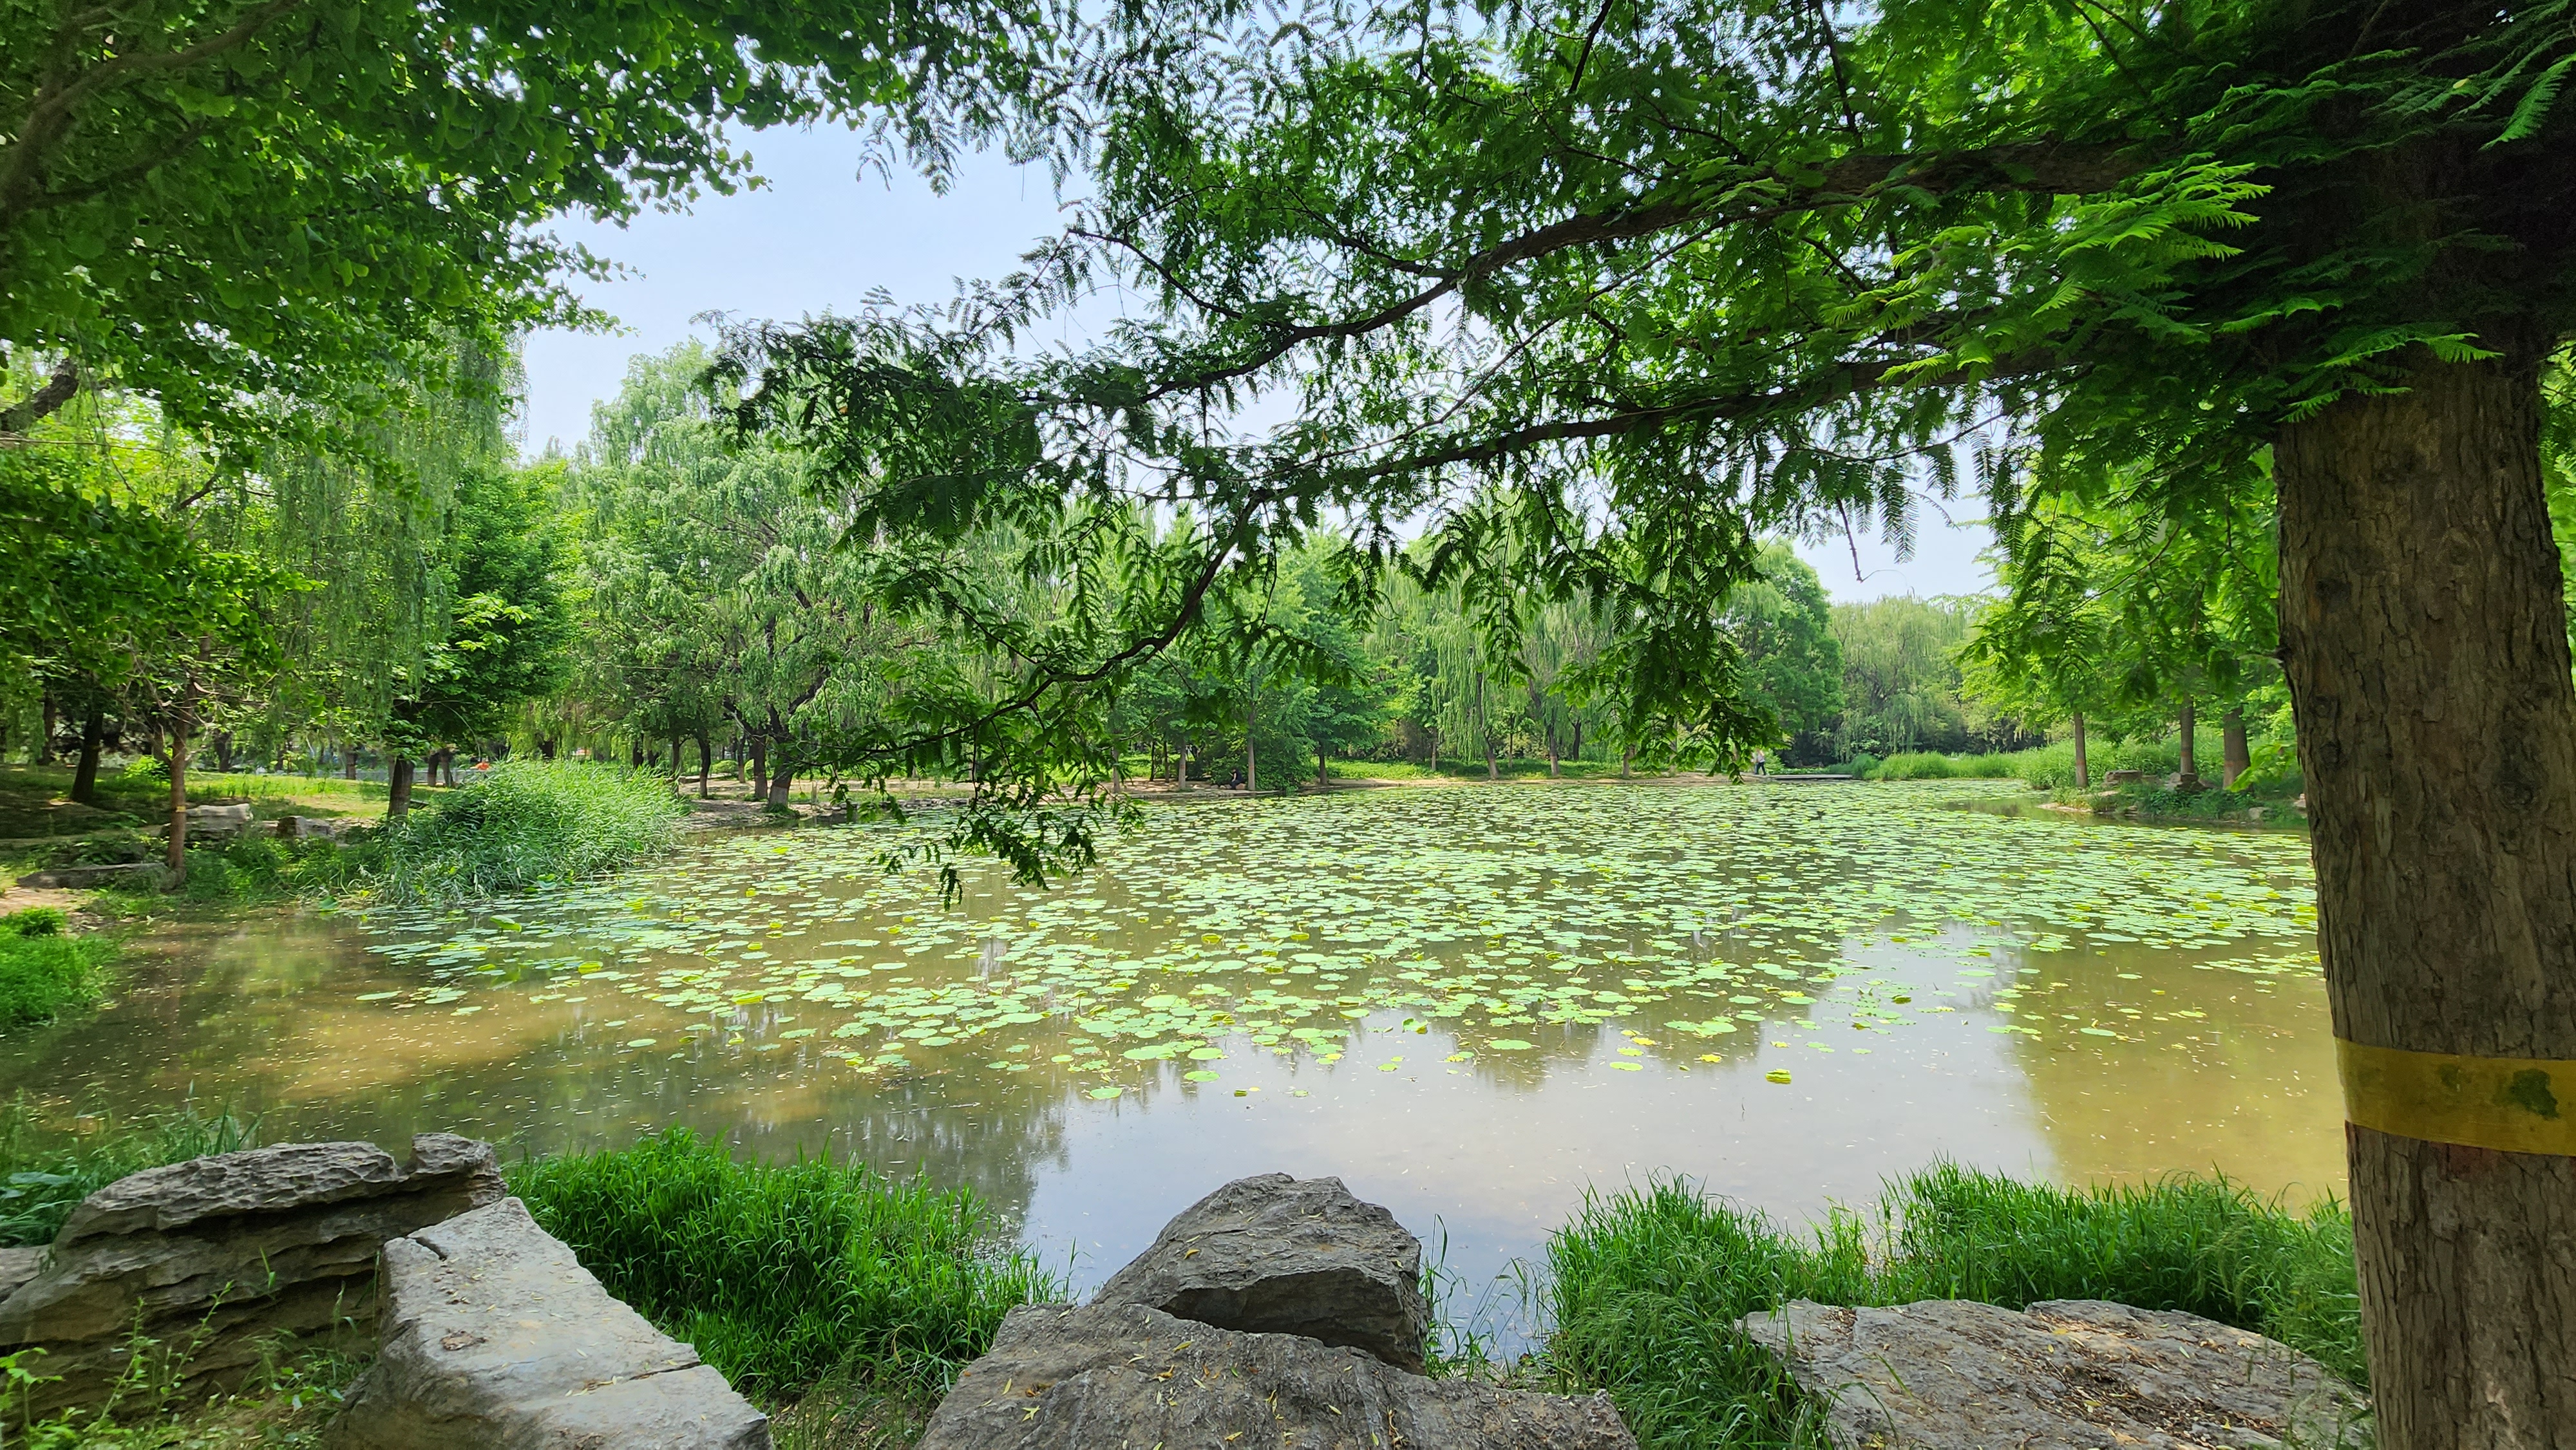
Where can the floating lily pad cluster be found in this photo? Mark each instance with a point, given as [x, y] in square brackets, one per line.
[1490, 915]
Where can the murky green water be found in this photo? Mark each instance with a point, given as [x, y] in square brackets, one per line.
[1473, 1004]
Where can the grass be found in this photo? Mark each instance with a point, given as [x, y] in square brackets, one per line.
[41, 1182]
[1645, 1287]
[526, 824]
[790, 1275]
[44, 969]
[1452, 768]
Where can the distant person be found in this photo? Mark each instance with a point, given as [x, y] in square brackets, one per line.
[1761, 762]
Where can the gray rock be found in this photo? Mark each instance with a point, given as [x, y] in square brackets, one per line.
[1947, 1374]
[17, 1266]
[146, 874]
[207, 1258]
[1124, 1377]
[315, 828]
[496, 1338]
[1282, 1255]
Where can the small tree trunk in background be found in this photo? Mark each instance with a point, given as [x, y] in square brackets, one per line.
[759, 767]
[178, 856]
[1184, 779]
[2187, 767]
[348, 759]
[223, 743]
[45, 742]
[397, 787]
[93, 738]
[706, 763]
[2233, 757]
[1323, 777]
[2425, 638]
[1627, 758]
[1551, 752]
[1251, 766]
[2083, 768]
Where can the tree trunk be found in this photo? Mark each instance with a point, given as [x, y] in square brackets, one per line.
[397, 787]
[349, 759]
[177, 859]
[759, 778]
[223, 743]
[1627, 758]
[1184, 779]
[1323, 777]
[1551, 752]
[780, 783]
[93, 738]
[2187, 765]
[45, 742]
[2425, 639]
[2083, 768]
[706, 762]
[1251, 765]
[2233, 757]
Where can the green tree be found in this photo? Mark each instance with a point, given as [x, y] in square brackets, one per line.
[1792, 660]
[219, 202]
[1669, 273]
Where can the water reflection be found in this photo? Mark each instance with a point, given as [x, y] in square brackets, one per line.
[1474, 1006]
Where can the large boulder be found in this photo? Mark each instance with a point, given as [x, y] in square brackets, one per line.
[1125, 1376]
[207, 1258]
[495, 1337]
[1281, 1255]
[132, 875]
[1948, 1374]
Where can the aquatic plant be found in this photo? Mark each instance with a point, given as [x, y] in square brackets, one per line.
[1646, 1286]
[784, 1273]
[527, 823]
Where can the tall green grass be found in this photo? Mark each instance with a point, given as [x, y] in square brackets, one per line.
[783, 1273]
[1645, 1287]
[45, 970]
[43, 1179]
[525, 824]
[1931, 765]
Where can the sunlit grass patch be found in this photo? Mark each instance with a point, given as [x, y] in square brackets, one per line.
[524, 824]
[1645, 1287]
[44, 970]
[784, 1274]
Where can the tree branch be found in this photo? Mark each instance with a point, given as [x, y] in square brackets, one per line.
[59, 389]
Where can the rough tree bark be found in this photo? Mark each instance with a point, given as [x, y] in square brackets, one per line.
[93, 739]
[181, 721]
[2233, 757]
[759, 767]
[397, 787]
[2187, 766]
[706, 762]
[2083, 767]
[1251, 766]
[2425, 639]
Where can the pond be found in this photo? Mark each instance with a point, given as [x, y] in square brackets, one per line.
[1474, 1004]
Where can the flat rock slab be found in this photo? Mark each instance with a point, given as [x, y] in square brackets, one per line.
[82, 878]
[496, 1338]
[1128, 1377]
[1282, 1255]
[220, 1253]
[2068, 1374]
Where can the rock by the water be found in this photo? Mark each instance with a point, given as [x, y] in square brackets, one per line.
[219, 1253]
[1282, 1255]
[1125, 1377]
[497, 1339]
[1948, 1374]
[147, 874]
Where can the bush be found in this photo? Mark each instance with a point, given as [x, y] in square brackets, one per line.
[525, 824]
[35, 921]
[39, 1186]
[1927, 765]
[43, 971]
[783, 1273]
[1646, 1286]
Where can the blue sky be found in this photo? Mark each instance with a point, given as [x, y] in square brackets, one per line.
[821, 237]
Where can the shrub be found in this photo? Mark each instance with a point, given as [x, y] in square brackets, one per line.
[1645, 1287]
[525, 824]
[783, 1273]
[35, 921]
[43, 973]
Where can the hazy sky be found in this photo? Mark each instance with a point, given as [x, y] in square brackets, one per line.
[821, 237]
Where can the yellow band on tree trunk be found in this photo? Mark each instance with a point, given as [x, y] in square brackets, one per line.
[2511, 1104]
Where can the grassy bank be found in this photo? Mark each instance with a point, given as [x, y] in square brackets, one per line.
[789, 1275]
[45, 970]
[1646, 1287]
[526, 824]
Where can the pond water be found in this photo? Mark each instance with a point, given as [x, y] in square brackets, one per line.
[1474, 1004]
